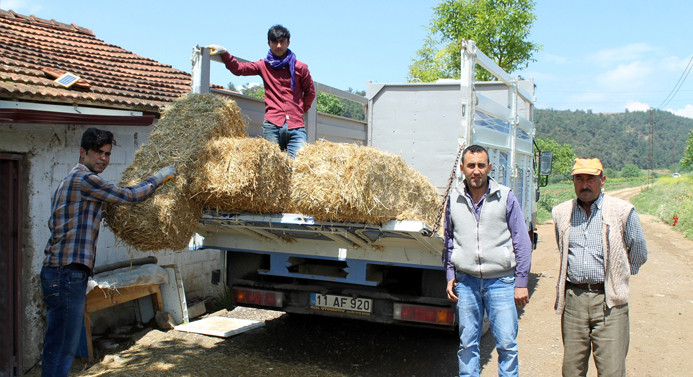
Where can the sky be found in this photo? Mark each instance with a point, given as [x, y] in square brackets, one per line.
[603, 56]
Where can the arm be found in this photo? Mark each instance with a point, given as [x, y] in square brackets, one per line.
[308, 90]
[96, 187]
[447, 253]
[522, 246]
[239, 68]
[635, 243]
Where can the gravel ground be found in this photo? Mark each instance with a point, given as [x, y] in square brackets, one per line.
[288, 345]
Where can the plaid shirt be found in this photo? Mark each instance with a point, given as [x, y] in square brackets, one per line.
[76, 207]
[585, 251]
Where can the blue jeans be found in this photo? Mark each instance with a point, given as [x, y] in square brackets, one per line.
[496, 297]
[288, 140]
[64, 292]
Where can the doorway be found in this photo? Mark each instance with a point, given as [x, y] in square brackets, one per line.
[10, 264]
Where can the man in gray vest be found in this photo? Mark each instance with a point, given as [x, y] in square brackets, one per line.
[601, 244]
[487, 259]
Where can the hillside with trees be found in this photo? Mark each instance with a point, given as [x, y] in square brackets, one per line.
[618, 139]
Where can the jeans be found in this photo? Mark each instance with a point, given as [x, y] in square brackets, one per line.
[496, 297]
[588, 326]
[64, 292]
[288, 140]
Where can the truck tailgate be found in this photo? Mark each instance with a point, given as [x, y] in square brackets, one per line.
[395, 242]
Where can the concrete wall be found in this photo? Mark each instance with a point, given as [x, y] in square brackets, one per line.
[50, 153]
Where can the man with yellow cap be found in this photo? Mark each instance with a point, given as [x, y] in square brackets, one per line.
[601, 244]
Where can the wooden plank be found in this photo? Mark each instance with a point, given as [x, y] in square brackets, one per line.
[90, 346]
[99, 299]
[222, 327]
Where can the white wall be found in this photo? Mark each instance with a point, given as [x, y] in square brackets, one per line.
[50, 153]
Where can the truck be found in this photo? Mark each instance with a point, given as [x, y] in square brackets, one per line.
[391, 272]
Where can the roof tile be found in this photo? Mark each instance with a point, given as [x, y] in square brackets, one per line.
[31, 46]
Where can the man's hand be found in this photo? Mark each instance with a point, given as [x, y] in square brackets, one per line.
[451, 290]
[521, 296]
[216, 52]
[165, 174]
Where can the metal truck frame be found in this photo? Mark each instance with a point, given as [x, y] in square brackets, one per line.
[389, 273]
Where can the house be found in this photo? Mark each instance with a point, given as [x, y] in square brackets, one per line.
[56, 80]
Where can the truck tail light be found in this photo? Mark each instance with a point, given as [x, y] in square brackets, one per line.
[258, 297]
[424, 314]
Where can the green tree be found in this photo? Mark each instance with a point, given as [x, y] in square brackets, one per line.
[611, 173]
[230, 86]
[328, 103]
[686, 163]
[354, 110]
[630, 171]
[563, 156]
[257, 91]
[500, 29]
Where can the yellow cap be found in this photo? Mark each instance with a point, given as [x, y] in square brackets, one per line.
[591, 166]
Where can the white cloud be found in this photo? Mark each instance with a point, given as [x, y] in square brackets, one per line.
[687, 111]
[628, 52]
[637, 106]
[626, 76]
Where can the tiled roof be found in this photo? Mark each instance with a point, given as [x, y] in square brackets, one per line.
[34, 51]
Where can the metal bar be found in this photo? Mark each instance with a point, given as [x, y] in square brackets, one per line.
[355, 239]
[333, 236]
[341, 93]
[427, 244]
[467, 94]
[200, 70]
[253, 234]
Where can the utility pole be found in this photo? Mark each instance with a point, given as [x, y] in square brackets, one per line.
[650, 157]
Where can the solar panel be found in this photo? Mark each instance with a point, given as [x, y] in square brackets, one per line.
[67, 79]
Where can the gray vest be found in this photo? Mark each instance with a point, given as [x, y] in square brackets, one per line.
[483, 248]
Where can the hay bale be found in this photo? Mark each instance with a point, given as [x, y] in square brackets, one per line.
[347, 182]
[168, 218]
[243, 175]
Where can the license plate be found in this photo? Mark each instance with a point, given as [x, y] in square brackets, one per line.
[342, 304]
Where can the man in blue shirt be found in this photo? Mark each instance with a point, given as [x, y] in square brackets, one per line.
[487, 260]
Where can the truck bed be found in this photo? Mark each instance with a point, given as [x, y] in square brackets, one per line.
[297, 245]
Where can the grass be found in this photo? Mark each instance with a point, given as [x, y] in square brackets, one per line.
[224, 299]
[669, 198]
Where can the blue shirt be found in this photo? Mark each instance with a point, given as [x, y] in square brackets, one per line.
[76, 208]
[518, 230]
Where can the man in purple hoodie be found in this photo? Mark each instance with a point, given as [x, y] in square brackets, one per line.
[487, 260]
[289, 88]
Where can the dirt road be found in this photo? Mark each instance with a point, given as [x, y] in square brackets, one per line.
[661, 307]
[661, 313]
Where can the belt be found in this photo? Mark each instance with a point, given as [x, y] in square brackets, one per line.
[587, 286]
[78, 267]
